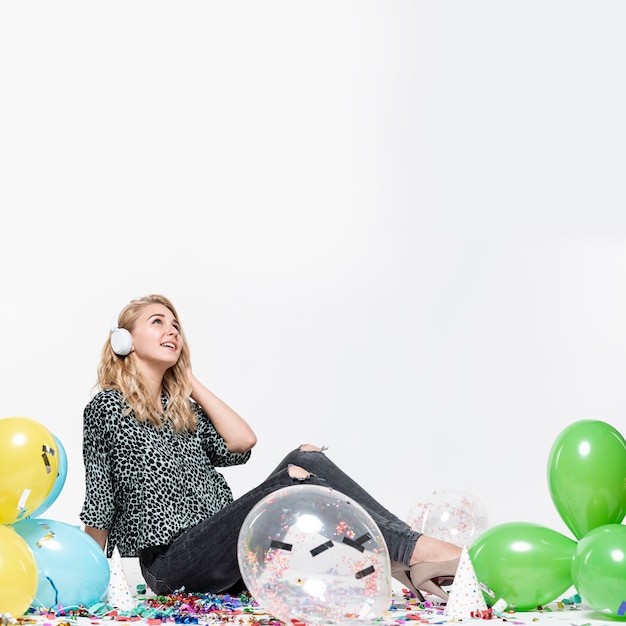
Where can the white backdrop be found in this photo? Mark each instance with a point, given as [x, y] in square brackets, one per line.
[395, 228]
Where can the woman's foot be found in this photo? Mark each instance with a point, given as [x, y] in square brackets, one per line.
[430, 550]
[412, 578]
[423, 575]
[400, 572]
[433, 560]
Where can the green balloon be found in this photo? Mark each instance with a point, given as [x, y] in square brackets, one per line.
[525, 564]
[599, 569]
[587, 476]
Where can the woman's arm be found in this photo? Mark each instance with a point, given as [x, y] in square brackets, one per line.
[98, 534]
[235, 431]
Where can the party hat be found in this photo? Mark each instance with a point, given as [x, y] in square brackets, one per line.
[118, 593]
[466, 599]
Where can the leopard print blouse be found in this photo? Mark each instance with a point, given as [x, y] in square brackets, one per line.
[144, 485]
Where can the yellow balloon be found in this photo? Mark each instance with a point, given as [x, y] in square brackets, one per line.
[18, 573]
[29, 464]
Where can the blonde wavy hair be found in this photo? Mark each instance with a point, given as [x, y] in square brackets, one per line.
[122, 373]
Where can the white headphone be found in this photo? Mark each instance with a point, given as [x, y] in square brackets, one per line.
[121, 341]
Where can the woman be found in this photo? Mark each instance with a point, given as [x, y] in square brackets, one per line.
[152, 437]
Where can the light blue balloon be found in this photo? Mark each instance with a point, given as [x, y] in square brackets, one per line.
[72, 568]
[58, 483]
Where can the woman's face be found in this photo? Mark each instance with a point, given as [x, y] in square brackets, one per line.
[156, 336]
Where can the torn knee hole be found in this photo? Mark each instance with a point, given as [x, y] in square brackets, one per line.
[309, 447]
[299, 473]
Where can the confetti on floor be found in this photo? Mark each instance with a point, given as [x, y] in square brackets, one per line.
[243, 610]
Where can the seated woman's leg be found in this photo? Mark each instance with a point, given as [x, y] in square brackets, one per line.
[204, 558]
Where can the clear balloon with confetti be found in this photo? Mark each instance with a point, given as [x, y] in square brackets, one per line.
[455, 516]
[311, 554]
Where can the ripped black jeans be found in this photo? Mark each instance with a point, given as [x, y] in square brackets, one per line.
[204, 558]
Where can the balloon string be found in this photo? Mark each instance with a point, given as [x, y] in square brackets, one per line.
[56, 591]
